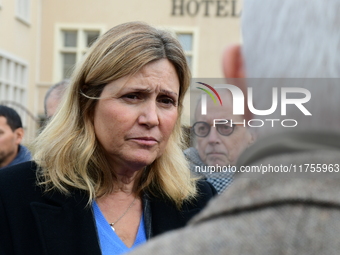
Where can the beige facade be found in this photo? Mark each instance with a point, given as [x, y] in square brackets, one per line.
[58, 33]
[19, 59]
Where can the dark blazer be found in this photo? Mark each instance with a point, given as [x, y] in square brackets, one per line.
[35, 222]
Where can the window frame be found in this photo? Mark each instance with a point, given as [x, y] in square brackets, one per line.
[80, 48]
[18, 86]
[194, 53]
[22, 16]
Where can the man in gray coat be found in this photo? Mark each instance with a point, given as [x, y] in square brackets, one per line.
[292, 206]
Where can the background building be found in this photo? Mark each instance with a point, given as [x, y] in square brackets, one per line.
[40, 41]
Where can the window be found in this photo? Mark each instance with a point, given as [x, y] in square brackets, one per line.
[74, 44]
[13, 79]
[23, 10]
[186, 40]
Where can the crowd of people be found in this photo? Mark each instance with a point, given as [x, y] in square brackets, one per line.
[108, 173]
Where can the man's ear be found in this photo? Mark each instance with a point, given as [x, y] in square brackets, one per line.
[234, 69]
[233, 65]
[19, 132]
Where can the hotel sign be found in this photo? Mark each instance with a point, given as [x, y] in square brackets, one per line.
[206, 8]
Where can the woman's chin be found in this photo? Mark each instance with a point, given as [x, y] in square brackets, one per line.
[142, 161]
[145, 156]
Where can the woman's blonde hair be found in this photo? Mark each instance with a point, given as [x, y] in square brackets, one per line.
[67, 151]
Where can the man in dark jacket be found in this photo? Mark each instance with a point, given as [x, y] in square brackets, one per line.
[11, 135]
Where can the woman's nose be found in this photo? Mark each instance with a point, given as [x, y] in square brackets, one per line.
[149, 115]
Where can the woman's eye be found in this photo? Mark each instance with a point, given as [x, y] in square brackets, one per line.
[167, 101]
[131, 97]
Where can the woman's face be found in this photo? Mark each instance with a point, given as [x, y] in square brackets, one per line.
[135, 116]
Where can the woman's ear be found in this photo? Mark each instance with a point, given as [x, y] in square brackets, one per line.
[233, 66]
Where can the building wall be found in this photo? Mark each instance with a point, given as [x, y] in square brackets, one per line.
[215, 23]
[37, 42]
[18, 59]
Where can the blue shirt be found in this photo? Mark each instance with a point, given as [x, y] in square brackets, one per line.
[110, 243]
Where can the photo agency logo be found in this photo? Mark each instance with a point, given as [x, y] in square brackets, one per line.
[204, 97]
[238, 104]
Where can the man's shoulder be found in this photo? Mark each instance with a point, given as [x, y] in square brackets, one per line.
[255, 191]
[23, 155]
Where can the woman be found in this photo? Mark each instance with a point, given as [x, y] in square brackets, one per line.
[109, 172]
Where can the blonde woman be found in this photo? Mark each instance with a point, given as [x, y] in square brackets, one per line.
[108, 170]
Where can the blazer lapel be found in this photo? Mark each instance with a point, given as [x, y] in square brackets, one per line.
[66, 225]
[166, 217]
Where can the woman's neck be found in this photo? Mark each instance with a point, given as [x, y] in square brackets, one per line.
[127, 182]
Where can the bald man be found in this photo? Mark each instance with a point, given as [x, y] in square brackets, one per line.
[53, 97]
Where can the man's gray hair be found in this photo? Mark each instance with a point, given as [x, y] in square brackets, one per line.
[290, 38]
[295, 39]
